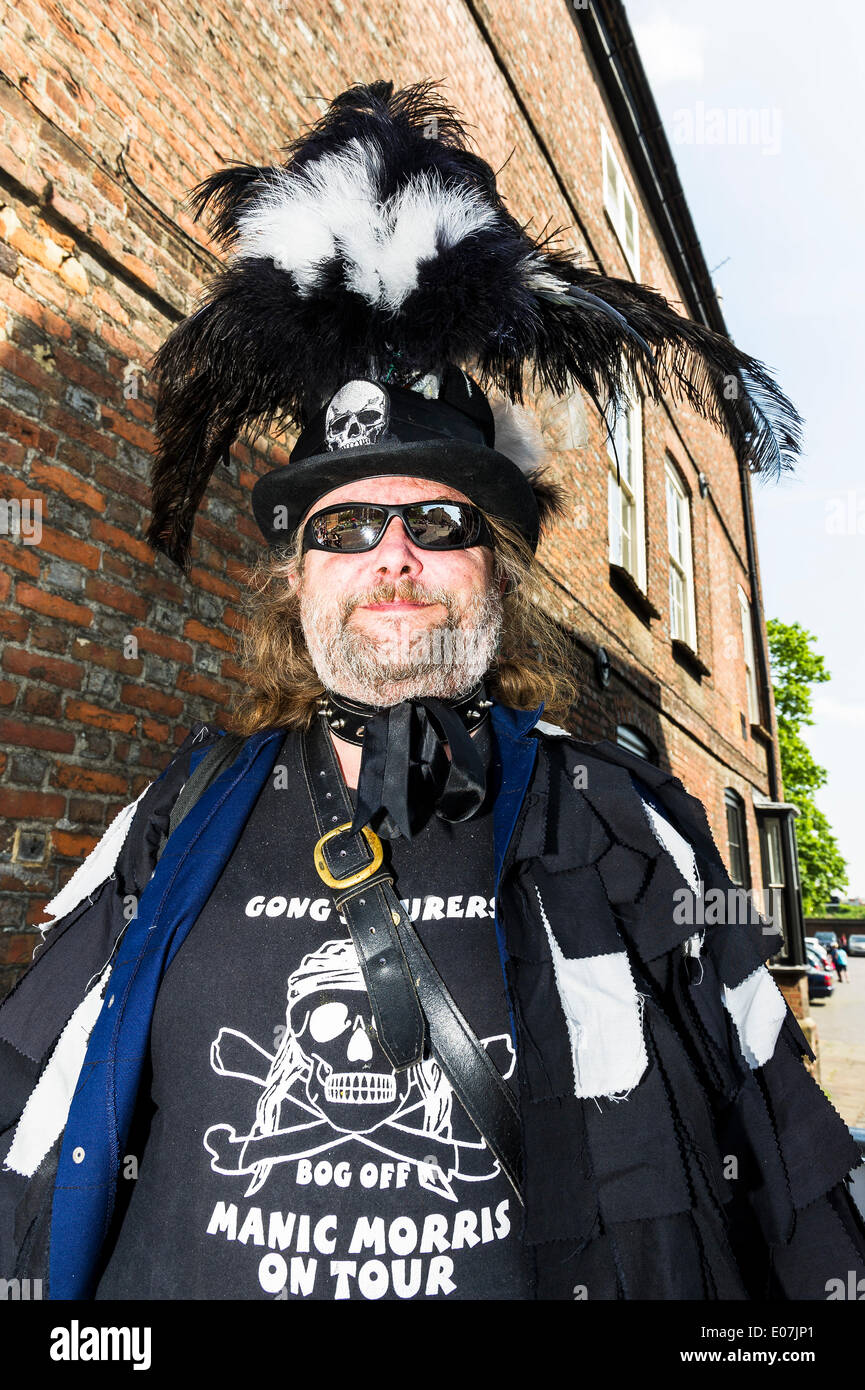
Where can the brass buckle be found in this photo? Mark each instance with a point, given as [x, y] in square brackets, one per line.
[324, 872]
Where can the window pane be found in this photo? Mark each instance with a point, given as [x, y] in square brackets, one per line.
[626, 446]
[614, 519]
[672, 520]
[677, 604]
[612, 182]
[628, 518]
[737, 840]
[636, 742]
[774, 859]
[630, 224]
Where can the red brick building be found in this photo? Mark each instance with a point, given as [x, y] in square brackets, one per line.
[111, 113]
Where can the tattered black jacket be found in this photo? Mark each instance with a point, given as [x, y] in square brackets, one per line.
[675, 1146]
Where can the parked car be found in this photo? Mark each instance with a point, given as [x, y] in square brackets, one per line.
[826, 938]
[820, 982]
[816, 962]
[812, 944]
[856, 946]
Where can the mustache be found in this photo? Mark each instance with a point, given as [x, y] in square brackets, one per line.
[406, 591]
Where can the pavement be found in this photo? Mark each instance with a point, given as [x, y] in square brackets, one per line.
[841, 1030]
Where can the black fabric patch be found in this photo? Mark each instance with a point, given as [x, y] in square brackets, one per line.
[697, 990]
[740, 949]
[561, 1200]
[678, 1258]
[760, 1180]
[652, 923]
[637, 1178]
[543, 1041]
[825, 1259]
[623, 872]
[800, 1112]
[577, 909]
[578, 1271]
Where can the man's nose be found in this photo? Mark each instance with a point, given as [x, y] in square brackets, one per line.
[395, 553]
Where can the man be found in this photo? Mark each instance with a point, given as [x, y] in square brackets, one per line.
[384, 994]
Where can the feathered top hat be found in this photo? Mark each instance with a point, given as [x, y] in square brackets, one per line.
[376, 282]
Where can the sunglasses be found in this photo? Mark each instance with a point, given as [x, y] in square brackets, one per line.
[353, 527]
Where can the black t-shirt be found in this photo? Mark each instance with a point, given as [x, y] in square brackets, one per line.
[285, 1158]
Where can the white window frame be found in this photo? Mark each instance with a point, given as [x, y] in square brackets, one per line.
[681, 558]
[750, 658]
[626, 505]
[620, 204]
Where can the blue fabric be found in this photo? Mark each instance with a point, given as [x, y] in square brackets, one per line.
[517, 754]
[102, 1107]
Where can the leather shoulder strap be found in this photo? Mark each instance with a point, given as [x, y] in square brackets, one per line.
[215, 761]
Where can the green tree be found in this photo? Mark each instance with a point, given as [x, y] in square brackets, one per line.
[795, 668]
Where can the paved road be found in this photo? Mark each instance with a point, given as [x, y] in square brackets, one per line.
[841, 1029]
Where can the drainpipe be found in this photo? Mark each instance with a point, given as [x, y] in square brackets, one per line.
[761, 644]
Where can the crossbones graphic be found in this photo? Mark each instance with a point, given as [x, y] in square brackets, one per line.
[330, 1067]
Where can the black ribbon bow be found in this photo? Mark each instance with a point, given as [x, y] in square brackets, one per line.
[405, 773]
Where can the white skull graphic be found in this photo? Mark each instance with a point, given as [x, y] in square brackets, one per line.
[357, 414]
[351, 1080]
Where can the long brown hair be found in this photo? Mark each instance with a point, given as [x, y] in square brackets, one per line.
[279, 687]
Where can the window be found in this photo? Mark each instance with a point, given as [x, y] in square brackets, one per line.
[627, 523]
[737, 839]
[774, 877]
[750, 664]
[636, 742]
[620, 206]
[683, 622]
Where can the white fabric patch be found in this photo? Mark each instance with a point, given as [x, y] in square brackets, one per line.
[677, 846]
[758, 1009]
[553, 729]
[44, 1116]
[604, 1015]
[96, 868]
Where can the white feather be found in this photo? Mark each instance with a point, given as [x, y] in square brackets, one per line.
[518, 436]
[422, 214]
[536, 277]
[330, 207]
[302, 220]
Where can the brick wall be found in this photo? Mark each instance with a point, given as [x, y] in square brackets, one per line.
[111, 113]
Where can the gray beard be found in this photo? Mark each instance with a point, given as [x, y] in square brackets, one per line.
[444, 661]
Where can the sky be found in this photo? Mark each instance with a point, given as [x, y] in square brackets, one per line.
[778, 200]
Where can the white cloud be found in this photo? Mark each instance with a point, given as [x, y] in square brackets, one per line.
[671, 52]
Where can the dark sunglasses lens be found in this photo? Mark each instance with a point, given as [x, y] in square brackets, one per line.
[441, 525]
[347, 529]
